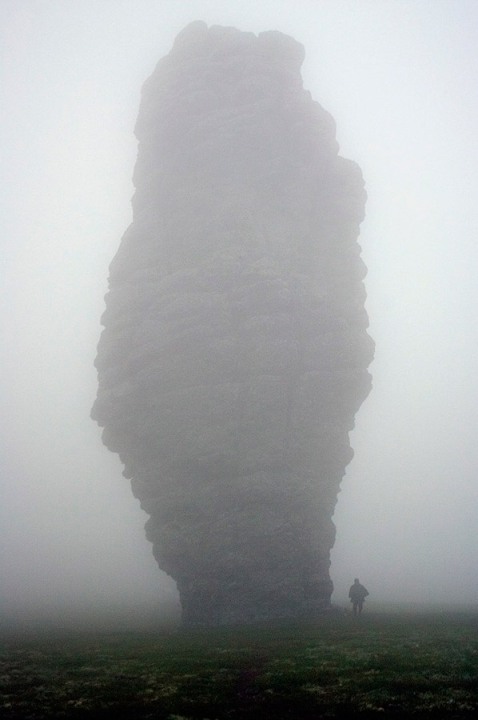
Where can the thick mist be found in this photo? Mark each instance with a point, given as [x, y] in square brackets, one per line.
[400, 81]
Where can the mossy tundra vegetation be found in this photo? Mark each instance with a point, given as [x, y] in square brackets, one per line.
[421, 665]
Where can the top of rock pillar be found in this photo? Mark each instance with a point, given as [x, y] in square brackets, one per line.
[197, 39]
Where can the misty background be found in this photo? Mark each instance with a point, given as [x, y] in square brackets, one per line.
[400, 78]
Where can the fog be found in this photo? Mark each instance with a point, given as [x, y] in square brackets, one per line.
[400, 80]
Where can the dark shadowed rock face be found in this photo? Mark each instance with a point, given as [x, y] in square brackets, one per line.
[235, 353]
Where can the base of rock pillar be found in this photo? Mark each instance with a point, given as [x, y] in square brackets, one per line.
[205, 603]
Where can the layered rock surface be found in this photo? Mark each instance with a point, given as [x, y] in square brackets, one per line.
[234, 353]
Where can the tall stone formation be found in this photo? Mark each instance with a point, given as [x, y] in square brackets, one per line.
[234, 353]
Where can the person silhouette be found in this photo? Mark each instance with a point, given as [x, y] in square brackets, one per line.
[357, 595]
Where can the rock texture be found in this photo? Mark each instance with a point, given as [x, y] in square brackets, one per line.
[234, 353]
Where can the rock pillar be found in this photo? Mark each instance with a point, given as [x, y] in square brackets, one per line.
[234, 353]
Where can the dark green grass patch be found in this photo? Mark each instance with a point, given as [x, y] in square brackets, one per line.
[423, 666]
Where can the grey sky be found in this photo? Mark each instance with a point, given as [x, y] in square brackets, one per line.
[400, 78]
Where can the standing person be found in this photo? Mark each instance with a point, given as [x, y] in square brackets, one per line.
[357, 595]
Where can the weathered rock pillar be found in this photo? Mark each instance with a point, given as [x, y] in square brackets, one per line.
[234, 353]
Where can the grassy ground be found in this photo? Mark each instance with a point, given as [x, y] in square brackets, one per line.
[376, 666]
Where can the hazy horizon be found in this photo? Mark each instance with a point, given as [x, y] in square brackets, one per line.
[400, 80]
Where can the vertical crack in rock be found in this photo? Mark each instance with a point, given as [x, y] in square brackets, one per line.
[234, 353]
